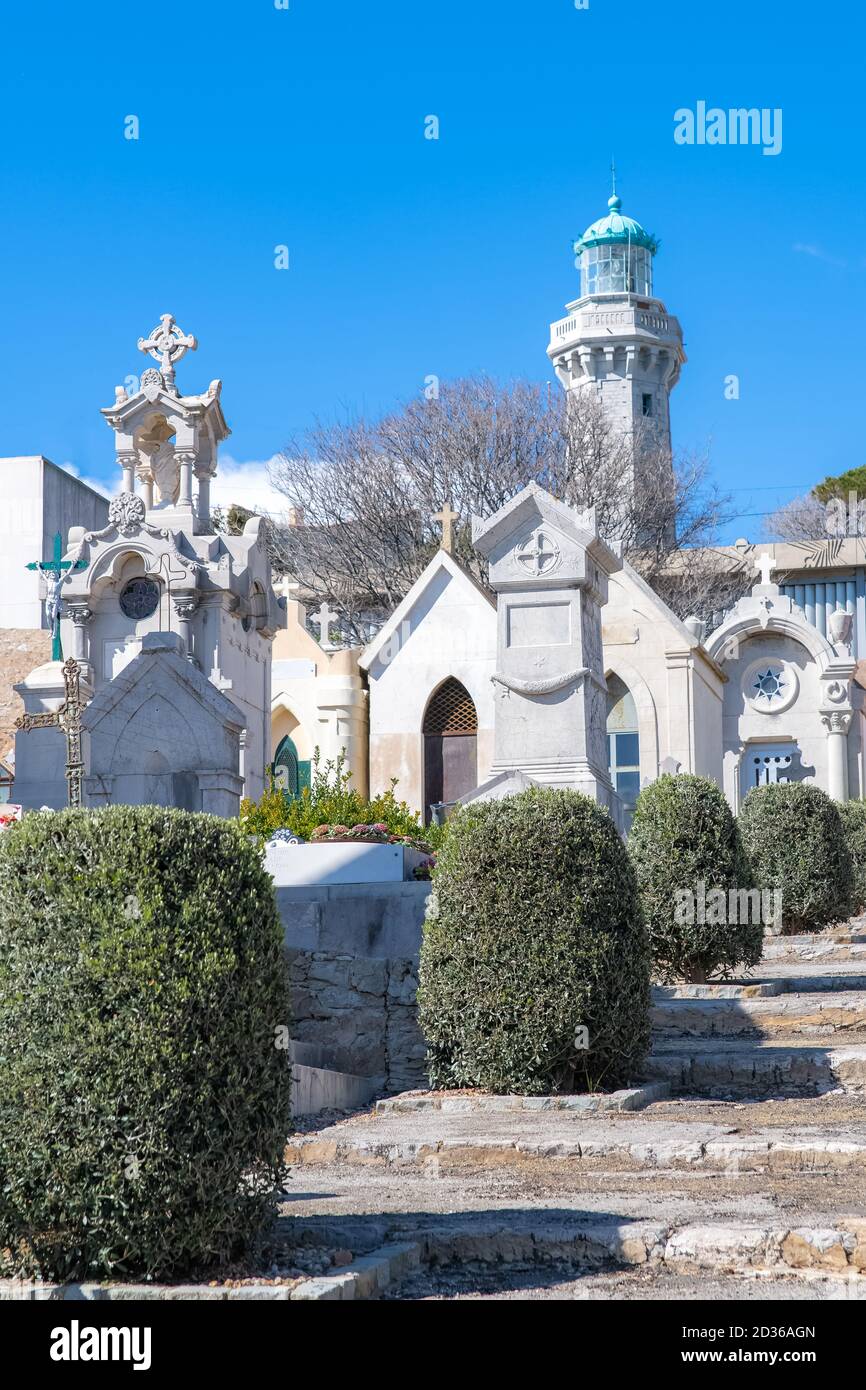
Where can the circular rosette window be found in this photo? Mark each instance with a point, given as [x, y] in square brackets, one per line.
[770, 685]
[140, 598]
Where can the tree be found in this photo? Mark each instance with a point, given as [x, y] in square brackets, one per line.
[802, 519]
[366, 492]
[834, 507]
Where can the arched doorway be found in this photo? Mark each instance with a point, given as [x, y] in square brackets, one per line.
[291, 774]
[450, 745]
[623, 745]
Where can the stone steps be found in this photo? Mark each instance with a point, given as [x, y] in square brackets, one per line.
[834, 1248]
[451, 1147]
[781, 983]
[799, 948]
[785, 1066]
[786, 1015]
[766, 1183]
[734, 1247]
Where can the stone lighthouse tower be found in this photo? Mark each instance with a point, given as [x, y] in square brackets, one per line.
[618, 340]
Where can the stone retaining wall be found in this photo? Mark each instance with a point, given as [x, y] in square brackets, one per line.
[353, 952]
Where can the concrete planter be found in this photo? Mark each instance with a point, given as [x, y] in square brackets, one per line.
[340, 861]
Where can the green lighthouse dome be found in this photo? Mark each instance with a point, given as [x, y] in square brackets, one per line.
[615, 254]
[614, 229]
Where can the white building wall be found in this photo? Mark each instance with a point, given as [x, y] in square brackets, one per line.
[454, 631]
[37, 499]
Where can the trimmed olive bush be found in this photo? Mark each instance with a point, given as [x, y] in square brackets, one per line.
[694, 881]
[145, 1081]
[534, 933]
[793, 836]
[853, 817]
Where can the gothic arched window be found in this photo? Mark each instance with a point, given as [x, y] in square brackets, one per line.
[450, 732]
[623, 744]
[290, 773]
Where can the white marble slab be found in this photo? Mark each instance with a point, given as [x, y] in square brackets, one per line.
[324, 863]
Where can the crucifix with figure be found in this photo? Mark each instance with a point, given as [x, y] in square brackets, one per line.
[447, 518]
[68, 720]
[57, 567]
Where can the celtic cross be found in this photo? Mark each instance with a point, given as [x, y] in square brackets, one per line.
[538, 554]
[167, 345]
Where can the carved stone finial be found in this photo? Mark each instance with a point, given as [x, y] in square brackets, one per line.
[167, 345]
[127, 512]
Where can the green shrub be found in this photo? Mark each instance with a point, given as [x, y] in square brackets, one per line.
[534, 932]
[145, 1081]
[689, 860]
[793, 837]
[329, 800]
[853, 816]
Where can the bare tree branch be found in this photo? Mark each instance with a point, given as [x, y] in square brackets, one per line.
[364, 492]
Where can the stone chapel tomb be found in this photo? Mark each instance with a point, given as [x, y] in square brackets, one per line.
[154, 588]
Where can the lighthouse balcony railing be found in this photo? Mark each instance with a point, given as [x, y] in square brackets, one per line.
[577, 324]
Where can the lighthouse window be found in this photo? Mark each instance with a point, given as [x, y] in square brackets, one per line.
[647, 403]
[616, 269]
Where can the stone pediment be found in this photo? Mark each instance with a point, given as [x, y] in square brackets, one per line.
[407, 616]
[535, 540]
[162, 661]
[127, 530]
[128, 411]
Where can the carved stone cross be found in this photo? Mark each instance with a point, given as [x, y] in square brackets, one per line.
[447, 517]
[68, 719]
[538, 554]
[167, 345]
[766, 564]
[324, 618]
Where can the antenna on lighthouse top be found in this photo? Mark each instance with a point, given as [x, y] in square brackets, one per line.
[612, 177]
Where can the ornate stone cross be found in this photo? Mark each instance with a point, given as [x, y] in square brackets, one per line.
[57, 568]
[766, 564]
[538, 554]
[167, 345]
[68, 720]
[324, 618]
[447, 517]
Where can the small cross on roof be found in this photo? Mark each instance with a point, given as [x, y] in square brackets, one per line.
[766, 564]
[447, 518]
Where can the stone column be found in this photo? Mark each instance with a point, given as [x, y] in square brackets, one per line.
[126, 459]
[837, 724]
[185, 606]
[186, 461]
[203, 509]
[81, 616]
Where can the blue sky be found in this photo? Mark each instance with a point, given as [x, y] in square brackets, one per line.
[409, 257]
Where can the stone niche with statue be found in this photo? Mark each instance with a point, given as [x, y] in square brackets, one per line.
[159, 567]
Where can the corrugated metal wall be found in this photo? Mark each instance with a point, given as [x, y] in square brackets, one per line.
[820, 598]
